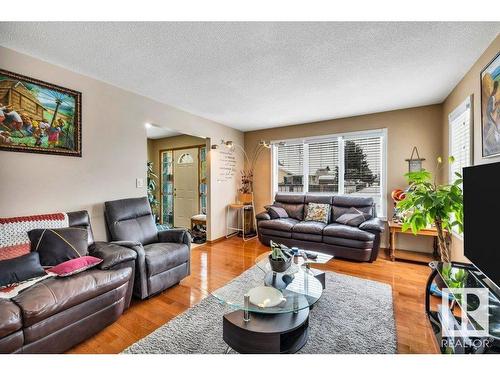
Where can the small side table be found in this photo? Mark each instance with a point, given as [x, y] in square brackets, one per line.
[240, 209]
[396, 228]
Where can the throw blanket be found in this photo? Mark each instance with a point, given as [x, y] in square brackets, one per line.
[13, 290]
[14, 239]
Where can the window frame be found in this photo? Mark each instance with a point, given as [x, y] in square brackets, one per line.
[341, 138]
[466, 105]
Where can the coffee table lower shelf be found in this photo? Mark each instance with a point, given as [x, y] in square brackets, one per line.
[266, 333]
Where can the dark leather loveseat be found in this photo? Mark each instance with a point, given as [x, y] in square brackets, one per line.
[57, 313]
[357, 243]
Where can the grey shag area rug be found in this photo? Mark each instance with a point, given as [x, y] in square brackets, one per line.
[353, 316]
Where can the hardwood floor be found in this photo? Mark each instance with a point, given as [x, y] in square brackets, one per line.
[214, 265]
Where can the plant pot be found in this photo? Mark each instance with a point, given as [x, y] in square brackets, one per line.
[245, 198]
[279, 265]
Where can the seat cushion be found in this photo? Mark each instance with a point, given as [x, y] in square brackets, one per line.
[275, 233]
[10, 318]
[284, 225]
[161, 257]
[307, 237]
[310, 227]
[346, 242]
[345, 231]
[51, 296]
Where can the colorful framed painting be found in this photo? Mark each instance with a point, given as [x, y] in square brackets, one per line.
[40, 117]
[490, 108]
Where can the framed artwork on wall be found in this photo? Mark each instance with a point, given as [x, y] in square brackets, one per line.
[39, 117]
[490, 108]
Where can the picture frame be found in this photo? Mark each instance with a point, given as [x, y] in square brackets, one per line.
[39, 117]
[490, 108]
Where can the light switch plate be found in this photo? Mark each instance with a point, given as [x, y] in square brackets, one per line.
[139, 182]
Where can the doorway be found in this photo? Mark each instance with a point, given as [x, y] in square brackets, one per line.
[180, 163]
[183, 185]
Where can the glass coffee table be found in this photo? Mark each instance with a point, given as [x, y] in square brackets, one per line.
[272, 310]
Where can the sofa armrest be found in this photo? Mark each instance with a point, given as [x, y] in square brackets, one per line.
[175, 235]
[130, 244]
[374, 224]
[263, 216]
[111, 254]
[140, 277]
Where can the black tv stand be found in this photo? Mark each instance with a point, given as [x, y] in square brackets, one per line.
[447, 315]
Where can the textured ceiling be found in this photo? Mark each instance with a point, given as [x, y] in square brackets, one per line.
[258, 75]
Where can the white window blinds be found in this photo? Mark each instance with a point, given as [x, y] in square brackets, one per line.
[324, 166]
[351, 163]
[460, 138]
[290, 168]
[363, 167]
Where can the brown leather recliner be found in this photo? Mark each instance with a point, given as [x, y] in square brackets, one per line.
[57, 313]
[360, 243]
[163, 257]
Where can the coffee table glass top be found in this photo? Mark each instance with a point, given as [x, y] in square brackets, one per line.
[298, 286]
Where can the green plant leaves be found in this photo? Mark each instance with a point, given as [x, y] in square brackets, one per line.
[427, 202]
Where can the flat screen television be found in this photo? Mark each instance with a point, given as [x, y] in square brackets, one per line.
[481, 187]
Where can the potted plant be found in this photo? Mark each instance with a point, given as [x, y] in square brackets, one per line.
[429, 203]
[245, 191]
[280, 258]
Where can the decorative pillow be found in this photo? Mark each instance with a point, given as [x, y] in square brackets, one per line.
[74, 266]
[14, 240]
[276, 212]
[318, 212]
[353, 217]
[17, 270]
[59, 245]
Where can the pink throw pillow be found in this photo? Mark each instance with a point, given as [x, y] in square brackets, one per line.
[74, 266]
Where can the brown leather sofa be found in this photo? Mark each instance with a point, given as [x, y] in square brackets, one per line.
[357, 243]
[57, 313]
[163, 257]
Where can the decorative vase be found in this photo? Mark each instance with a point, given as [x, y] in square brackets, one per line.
[279, 265]
[245, 198]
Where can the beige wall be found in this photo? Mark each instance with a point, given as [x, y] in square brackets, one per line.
[406, 128]
[157, 145]
[114, 151]
[469, 85]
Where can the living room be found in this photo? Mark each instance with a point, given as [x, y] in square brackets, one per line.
[249, 187]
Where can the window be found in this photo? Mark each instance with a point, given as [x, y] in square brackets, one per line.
[323, 168]
[290, 167]
[185, 159]
[459, 134]
[460, 138]
[352, 163]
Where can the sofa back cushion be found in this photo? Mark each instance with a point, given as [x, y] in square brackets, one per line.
[292, 203]
[131, 220]
[343, 203]
[81, 219]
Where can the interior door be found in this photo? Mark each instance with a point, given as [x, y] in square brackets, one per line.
[186, 186]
